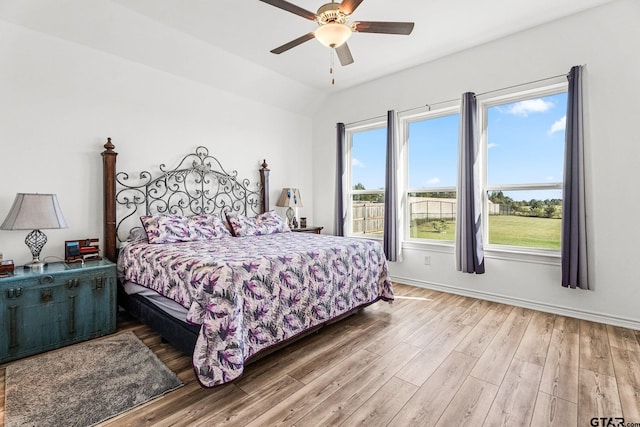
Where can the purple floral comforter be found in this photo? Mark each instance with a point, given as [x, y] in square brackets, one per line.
[249, 293]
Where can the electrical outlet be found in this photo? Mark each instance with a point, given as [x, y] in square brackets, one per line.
[427, 260]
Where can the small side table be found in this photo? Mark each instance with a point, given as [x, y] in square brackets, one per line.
[309, 229]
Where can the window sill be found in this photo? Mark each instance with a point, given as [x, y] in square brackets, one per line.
[528, 255]
[430, 245]
[365, 237]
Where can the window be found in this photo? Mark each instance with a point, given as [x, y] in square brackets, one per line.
[431, 139]
[523, 139]
[366, 148]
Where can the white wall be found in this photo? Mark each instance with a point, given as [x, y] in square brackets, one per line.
[606, 39]
[60, 100]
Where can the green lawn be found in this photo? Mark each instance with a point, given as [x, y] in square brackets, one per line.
[427, 231]
[525, 231]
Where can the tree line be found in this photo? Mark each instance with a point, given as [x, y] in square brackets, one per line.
[548, 208]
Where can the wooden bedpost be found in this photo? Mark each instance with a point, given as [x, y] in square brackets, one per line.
[264, 180]
[109, 200]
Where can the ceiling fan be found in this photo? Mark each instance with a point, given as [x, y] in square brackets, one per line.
[334, 29]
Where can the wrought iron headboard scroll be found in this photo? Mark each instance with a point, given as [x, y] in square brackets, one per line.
[198, 185]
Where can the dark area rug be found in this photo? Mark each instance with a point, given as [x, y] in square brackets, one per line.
[85, 383]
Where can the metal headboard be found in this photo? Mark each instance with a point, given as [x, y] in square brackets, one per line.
[197, 185]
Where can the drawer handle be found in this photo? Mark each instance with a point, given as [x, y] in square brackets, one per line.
[72, 314]
[13, 326]
[47, 279]
[98, 282]
[45, 295]
[14, 292]
[73, 283]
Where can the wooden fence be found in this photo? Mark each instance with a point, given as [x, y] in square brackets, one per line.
[431, 208]
[368, 217]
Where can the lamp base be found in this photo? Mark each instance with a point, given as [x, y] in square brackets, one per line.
[35, 241]
[290, 216]
[35, 265]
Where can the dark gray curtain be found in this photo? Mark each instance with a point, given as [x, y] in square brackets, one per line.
[574, 230]
[469, 251]
[391, 241]
[340, 212]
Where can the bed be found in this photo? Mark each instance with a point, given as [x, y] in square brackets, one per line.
[219, 275]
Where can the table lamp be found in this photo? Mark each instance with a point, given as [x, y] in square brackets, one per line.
[34, 212]
[290, 198]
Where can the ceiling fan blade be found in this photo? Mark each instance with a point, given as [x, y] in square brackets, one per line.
[293, 43]
[344, 54]
[348, 6]
[289, 7]
[403, 28]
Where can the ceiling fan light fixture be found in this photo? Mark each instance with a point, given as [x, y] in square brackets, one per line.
[333, 34]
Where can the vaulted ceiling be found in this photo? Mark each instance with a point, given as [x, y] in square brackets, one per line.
[226, 44]
[251, 28]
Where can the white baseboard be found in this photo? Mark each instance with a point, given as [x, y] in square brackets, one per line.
[519, 302]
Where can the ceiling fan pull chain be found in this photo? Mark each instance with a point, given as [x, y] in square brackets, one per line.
[333, 80]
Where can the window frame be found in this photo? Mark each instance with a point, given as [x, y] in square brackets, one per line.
[404, 120]
[351, 129]
[533, 91]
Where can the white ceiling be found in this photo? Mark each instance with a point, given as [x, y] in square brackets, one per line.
[251, 28]
[226, 44]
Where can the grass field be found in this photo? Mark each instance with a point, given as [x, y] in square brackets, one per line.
[525, 231]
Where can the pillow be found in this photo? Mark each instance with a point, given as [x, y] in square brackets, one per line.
[137, 234]
[210, 226]
[176, 228]
[265, 223]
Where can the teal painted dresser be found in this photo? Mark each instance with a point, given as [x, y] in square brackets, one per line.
[62, 305]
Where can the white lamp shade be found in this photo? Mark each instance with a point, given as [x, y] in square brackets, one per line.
[333, 34]
[34, 212]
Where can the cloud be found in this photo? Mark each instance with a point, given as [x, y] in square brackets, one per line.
[492, 145]
[559, 125]
[432, 181]
[524, 108]
[357, 163]
[549, 178]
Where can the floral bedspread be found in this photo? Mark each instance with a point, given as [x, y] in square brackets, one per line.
[249, 293]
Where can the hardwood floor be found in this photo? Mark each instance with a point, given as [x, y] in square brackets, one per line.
[430, 359]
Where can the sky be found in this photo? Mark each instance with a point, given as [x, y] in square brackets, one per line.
[525, 140]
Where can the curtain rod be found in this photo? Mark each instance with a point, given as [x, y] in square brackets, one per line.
[365, 120]
[456, 99]
[523, 84]
[485, 93]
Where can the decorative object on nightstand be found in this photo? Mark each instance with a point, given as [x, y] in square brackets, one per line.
[290, 198]
[34, 212]
[82, 250]
[308, 229]
[6, 267]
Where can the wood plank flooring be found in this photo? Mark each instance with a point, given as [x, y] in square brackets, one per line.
[430, 359]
